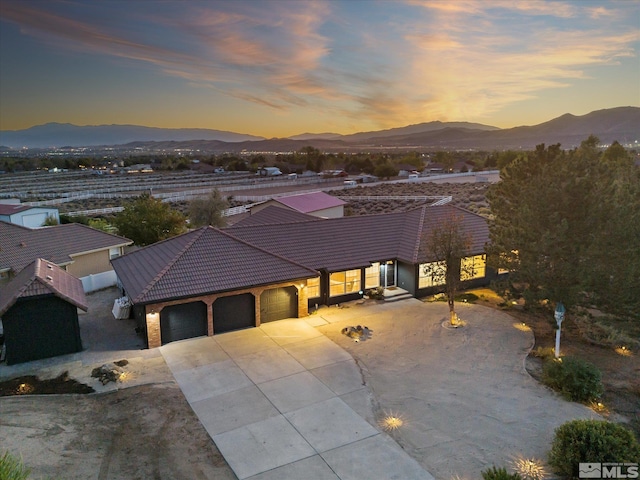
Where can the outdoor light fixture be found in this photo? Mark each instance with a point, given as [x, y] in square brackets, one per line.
[559, 316]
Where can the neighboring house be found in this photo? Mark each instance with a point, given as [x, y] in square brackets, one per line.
[269, 171]
[82, 251]
[26, 215]
[39, 310]
[318, 204]
[277, 264]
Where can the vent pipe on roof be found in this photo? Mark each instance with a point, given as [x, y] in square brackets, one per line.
[50, 278]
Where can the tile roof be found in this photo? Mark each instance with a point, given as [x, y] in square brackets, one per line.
[42, 277]
[200, 262]
[353, 242]
[11, 208]
[310, 202]
[20, 245]
[276, 215]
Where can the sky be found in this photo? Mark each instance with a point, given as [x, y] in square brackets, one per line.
[280, 68]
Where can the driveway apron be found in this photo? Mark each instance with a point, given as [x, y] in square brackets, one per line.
[282, 401]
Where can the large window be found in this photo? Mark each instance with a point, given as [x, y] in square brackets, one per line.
[372, 276]
[313, 287]
[431, 274]
[473, 267]
[341, 283]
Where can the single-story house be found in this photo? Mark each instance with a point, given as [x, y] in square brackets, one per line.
[39, 310]
[278, 264]
[82, 251]
[318, 204]
[26, 215]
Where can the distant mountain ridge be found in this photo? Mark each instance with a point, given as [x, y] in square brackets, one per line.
[620, 123]
[66, 134]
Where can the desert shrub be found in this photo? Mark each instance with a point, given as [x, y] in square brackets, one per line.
[574, 378]
[376, 293]
[591, 441]
[501, 473]
[12, 468]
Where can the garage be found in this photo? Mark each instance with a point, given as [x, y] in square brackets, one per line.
[278, 303]
[234, 313]
[187, 320]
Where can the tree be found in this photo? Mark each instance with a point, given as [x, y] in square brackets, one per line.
[448, 244]
[148, 220]
[385, 170]
[563, 223]
[208, 211]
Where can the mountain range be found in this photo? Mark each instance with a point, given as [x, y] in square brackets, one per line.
[620, 123]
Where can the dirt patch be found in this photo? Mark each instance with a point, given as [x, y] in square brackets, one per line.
[32, 385]
[140, 432]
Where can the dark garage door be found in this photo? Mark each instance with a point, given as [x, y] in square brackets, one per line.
[187, 320]
[278, 303]
[234, 313]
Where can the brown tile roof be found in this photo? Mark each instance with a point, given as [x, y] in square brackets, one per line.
[42, 277]
[353, 242]
[19, 245]
[200, 262]
[276, 215]
[310, 202]
[11, 208]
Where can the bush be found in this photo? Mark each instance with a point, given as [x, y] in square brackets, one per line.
[591, 441]
[501, 473]
[12, 468]
[574, 378]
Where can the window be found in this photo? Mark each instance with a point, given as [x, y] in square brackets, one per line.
[114, 253]
[341, 283]
[313, 287]
[473, 267]
[431, 274]
[372, 276]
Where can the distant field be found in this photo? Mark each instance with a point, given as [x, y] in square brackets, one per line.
[80, 191]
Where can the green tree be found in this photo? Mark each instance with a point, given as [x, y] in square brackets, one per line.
[208, 210]
[385, 170]
[148, 220]
[447, 244]
[563, 223]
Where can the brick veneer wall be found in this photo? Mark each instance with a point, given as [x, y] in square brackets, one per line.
[154, 337]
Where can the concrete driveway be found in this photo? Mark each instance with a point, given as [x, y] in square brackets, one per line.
[282, 401]
[464, 395]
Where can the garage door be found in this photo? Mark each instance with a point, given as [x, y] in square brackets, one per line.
[187, 320]
[234, 313]
[278, 303]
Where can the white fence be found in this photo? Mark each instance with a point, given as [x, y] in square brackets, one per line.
[98, 281]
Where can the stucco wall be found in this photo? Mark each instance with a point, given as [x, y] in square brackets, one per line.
[90, 263]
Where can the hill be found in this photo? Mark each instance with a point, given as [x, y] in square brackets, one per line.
[621, 123]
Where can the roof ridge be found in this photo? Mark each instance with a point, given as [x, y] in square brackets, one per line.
[416, 249]
[266, 251]
[172, 262]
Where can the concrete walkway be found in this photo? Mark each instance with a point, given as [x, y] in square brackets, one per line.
[282, 401]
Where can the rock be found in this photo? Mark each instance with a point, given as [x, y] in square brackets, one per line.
[109, 372]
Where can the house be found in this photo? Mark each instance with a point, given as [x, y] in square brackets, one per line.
[279, 263]
[26, 215]
[207, 281]
[269, 171]
[82, 251]
[318, 204]
[39, 310]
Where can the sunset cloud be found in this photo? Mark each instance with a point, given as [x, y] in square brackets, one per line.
[378, 64]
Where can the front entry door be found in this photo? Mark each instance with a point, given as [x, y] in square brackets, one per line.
[388, 274]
